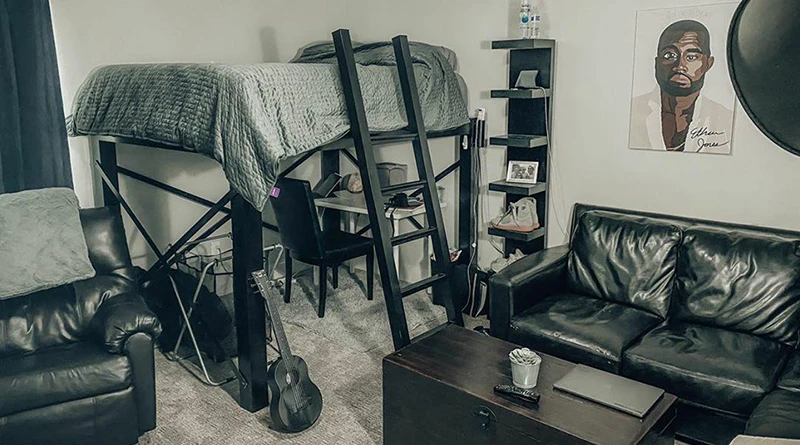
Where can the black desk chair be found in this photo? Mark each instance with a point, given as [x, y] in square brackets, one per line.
[305, 241]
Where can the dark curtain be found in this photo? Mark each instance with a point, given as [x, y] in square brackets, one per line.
[33, 139]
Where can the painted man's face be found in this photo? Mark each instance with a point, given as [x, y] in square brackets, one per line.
[681, 64]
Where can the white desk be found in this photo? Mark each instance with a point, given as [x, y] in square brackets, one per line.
[749, 440]
[355, 204]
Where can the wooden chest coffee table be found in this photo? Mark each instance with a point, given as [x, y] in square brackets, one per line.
[439, 391]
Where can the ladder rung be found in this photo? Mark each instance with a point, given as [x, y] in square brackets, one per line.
[412, 236]
[419, 285]
[392, 189]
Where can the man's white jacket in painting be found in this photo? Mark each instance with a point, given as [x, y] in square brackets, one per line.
[710, 131]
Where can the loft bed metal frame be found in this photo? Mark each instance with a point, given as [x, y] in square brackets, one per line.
[247, 224]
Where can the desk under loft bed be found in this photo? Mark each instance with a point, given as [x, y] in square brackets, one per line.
[251, 183]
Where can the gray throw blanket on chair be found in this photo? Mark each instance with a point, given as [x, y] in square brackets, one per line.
[41, 242]
[249, 117]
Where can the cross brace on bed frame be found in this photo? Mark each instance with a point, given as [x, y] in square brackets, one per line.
[247, 223]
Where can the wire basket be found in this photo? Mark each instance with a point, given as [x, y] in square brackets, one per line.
[219, 265]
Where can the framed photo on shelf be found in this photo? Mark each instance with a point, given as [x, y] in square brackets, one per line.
[524, 172]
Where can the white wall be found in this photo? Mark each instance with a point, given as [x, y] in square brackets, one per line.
[591, 106]
[756, 185]
[90, 33]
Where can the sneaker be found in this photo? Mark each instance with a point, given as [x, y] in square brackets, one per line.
[520, 217]
[500, 263]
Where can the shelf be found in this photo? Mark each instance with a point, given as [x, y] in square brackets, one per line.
[519, 140]
[517, 236]
[515, 93]
[516, 188]
[524, 44]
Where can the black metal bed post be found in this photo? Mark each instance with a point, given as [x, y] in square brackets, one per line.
[248, 306]
[108, 162]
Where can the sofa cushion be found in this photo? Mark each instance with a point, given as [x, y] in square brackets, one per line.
[790, 377]
[624, 259]
[776, 416]
[741, 280]
[719, 369]
[581, 329]
[60, 374]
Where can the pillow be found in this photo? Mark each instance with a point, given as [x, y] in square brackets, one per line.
[450, 55]
[313, 47]
[624, 259]
[41, 242]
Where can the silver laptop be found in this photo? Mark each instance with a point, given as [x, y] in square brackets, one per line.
[611, 390]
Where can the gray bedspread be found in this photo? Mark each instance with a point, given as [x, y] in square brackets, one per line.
[249, 117]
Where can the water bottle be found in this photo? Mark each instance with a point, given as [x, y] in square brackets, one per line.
[535, 25]
[525, 31]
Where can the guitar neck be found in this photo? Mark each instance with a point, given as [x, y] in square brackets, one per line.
[269, 294]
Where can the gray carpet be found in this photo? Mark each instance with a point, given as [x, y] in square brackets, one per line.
[350, 379]
[350, 319]
[190, 413]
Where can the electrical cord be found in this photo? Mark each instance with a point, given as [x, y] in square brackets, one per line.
[484, 211]
[482, 174]
[482, 171]
[475, 166]
[555, 169]
[392, 221]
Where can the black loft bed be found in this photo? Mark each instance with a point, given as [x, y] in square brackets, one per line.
[246, 219]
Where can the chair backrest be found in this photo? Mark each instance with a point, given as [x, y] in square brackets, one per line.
[297, 218]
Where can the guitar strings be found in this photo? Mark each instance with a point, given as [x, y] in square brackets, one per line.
[297, 390]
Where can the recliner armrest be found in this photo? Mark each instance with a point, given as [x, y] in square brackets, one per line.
[524, 283]
[120, 317]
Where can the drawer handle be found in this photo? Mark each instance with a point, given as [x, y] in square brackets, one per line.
[485, 417]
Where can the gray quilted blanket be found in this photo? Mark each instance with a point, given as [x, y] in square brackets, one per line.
[249, 117]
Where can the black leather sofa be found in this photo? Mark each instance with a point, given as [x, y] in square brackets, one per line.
[707, 311]
[76, 362]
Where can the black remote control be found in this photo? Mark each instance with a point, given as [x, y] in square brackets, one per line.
[524, 395]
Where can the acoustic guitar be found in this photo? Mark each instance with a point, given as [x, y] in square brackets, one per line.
[296, 402]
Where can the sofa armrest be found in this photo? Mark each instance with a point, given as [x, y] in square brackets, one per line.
[524, 283]
[120, 317]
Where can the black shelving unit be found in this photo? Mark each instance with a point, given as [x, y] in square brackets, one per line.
[519, 140]
[526, 139]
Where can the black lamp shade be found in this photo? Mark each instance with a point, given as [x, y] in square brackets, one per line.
[764, 63]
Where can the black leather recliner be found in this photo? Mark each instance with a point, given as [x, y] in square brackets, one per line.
[707, 311]
[76, 362]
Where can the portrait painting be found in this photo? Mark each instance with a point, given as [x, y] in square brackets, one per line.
[682, 98]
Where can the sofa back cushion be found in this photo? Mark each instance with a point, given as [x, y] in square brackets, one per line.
[625, 259]
[105, 238]
[742, 280]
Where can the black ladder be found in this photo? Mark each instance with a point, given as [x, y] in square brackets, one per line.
[375, 196]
